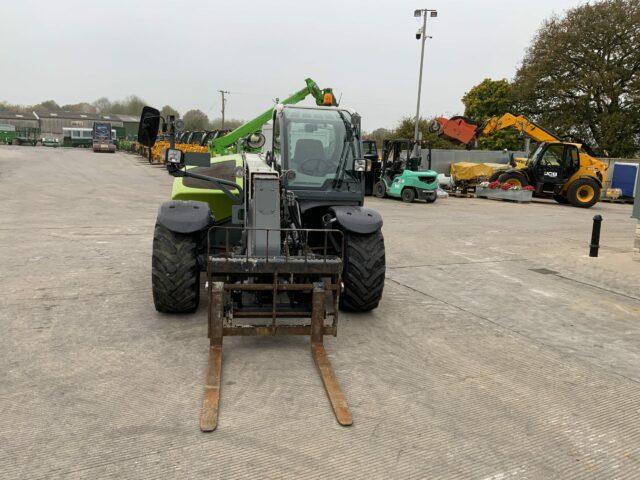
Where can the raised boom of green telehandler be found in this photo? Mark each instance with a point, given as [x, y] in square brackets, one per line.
[221, 146]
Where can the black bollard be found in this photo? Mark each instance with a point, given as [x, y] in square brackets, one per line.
[595, 236]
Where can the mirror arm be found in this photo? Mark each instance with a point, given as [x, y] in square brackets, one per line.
[224, 185]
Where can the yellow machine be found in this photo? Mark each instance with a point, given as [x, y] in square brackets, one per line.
[557, 169]
[561, 170]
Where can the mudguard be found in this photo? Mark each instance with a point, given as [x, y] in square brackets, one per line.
[185, 216]
[357, 219]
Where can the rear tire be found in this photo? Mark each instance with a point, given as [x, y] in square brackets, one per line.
[513, 178]
[364, 270]
[408, 195]
[175, 275]
[494, 176]
[431, 198]
[583, 193]
[380, 189]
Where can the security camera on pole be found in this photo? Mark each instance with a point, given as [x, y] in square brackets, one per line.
[421, 35]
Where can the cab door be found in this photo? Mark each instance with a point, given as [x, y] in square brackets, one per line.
[549, 170]
[571, 161]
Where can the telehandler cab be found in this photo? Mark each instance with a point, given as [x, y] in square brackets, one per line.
[281, 234]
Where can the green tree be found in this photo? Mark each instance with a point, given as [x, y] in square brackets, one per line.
[196, 120]
[405, 129]
[379, 135]
[581, 76]
[132, 105]
[488, 99]
[102, 105]
[48, 105]
[229, 123]
[169, 110]
[81, 107]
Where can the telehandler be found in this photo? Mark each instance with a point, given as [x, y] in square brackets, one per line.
[281, 233]
[556, 169]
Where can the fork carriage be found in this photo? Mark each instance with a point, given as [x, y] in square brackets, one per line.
[298, 278]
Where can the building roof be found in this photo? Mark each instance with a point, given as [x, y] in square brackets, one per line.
[17, 116]
[68, 116]
[129, 118]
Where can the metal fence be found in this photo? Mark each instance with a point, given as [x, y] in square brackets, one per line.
[441, 159]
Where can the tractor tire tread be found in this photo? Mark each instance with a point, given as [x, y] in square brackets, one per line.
[364, 272]
[175, 274]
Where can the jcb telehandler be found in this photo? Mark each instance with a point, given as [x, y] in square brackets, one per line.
[559, 170]
[281, 234]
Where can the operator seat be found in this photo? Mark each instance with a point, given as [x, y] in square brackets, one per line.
[307, 148]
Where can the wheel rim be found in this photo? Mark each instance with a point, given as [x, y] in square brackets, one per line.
[585, 193]
[514, 181]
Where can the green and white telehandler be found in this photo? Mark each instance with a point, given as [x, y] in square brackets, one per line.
[280, 229]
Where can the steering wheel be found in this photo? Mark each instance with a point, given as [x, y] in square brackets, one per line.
[316, 167]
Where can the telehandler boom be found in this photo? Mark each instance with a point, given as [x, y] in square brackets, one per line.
[323, 97]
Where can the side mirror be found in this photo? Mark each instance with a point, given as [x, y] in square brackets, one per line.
[356, 121]
[148, 126]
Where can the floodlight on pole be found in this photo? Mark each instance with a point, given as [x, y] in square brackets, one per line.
[421, 35]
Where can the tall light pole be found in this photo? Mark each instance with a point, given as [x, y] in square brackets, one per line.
[421, 35]
[224, 103]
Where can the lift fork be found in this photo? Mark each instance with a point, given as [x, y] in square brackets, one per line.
[316, 331]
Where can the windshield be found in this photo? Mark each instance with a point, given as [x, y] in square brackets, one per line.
[369, 148]
[101, 131]
[532, 158]
[316, 146]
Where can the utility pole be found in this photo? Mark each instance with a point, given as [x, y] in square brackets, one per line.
[224, 102]
[420, 35]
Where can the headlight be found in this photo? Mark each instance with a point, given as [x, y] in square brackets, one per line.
[360, 165]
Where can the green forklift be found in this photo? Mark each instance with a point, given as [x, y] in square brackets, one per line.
[401, 176]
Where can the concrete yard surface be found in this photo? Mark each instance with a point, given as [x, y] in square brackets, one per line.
[500, 350]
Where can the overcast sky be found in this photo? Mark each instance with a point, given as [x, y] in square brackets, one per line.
[181, 52]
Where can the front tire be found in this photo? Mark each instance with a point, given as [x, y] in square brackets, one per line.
[175, 275]
[364, 271]
[380, 189]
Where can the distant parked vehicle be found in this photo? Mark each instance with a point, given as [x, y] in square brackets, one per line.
[7, 134]
[50, 142]
[103, 138]
[77, 137]
[27, 136]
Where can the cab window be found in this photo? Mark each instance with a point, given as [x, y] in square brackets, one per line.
[573, 157]
[552, 157]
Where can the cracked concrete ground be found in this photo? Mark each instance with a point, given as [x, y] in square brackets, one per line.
[475, 365]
